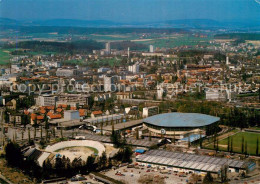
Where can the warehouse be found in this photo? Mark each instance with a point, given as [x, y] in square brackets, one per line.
[184, 162]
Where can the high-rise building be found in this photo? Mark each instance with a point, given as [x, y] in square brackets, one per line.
[134, 68]
[128, 52]
[108, 49]
[151, 48]
[227, 60]
[109, 83]
[160, 92]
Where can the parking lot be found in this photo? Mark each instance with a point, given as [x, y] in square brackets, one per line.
[131, 175]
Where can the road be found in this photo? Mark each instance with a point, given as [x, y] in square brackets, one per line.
[6, 180]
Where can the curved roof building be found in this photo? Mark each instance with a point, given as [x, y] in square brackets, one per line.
[176, 119]
[178, 124]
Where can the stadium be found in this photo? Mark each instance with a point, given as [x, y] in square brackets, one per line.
[72, 149]
[178, 125]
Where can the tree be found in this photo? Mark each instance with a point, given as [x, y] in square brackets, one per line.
[103, 160]
[137, 133]
[29, 135]
[47, 168]
[242, 144]
[54, 132]
[116, 138]
[59, 166]
[127, 154]
[34, 132]
[61, 133]
[6, 116]
[101, 128]
[150, 136]
[217, 148]
[68, 107]
[208, 179]
[22, 134]
[13, 154]
[214, 140]
[231, 145]
[124, 154]
[199, 140]
[245, 147]
[228, 146]
[41, 132]
[77, 164]
[257, 144]
[90, 164]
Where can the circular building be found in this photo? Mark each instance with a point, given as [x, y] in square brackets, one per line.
[178, 124]
[72, 149]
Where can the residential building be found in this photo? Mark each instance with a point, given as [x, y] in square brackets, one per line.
[216, 95]
[109, 83]
[108, 48]
[67, 72]
[151, 48]
[150, 111]
[71, 115]
[134, 68]
[46, 100]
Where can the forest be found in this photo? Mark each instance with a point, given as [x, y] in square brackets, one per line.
[239, 36]
[70, 47]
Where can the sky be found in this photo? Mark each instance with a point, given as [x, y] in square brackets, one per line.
[131, 10]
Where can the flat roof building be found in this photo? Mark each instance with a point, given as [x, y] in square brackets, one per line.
[191, 162]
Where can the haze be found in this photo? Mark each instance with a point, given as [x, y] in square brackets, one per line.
[131, 10]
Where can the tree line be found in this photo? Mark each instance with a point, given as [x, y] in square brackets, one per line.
[64, 47]
[230, 145]
[229, 116]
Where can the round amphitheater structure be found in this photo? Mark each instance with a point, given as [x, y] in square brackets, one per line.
[72, 149]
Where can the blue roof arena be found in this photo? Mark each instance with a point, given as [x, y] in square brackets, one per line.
[181, 120]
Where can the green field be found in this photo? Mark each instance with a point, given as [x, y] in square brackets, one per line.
[249, 137]
[176, 41]
[4, 56]
[255, 128]
[112, 37]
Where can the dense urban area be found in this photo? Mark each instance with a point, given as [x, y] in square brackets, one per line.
[129, 105]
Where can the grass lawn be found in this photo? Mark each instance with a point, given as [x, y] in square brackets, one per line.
[255, 128]
[4, 57]
[249, 137]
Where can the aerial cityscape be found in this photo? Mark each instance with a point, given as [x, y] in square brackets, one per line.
[129, 91]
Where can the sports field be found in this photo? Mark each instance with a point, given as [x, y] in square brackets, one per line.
[249, 137]
[77, 152]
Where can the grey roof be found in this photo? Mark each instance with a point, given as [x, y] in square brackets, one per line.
[176, 119]
[130, 141]
[189, 161]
